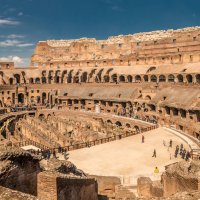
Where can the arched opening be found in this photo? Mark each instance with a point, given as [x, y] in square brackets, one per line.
[11, 81]
[180, 78]
[17, 77]
[44, 80]
[175, 111]
[138, 78]
[146, 78]
[153, 78]
[44, 97]
[128, 125]
[198, 78]
[189, 78]
[171, 78]
[122, 78]
[37, 80]
[32, 99]
[38, 99]
[69, 77]
[129, 78]
[114, 78]
[118, 124]
[152, 107]
[31, 80]
[162, 78]
[106, 79]
[109, 121]
[167, 110]
[147, 97]
[183, 113]
[41, 116]
[84, 77]
[21, 98]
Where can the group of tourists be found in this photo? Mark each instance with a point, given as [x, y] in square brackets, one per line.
[180, 150]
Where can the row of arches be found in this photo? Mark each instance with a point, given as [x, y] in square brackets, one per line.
[99, 76]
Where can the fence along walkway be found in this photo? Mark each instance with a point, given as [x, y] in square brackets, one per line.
[86, 144]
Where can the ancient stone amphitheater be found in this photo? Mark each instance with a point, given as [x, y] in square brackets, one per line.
[93, 101]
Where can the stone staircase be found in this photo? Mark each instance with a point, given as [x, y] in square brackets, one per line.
[125, 192]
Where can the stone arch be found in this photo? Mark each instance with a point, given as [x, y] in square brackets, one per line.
[98, 78]
[118, 123]
[44, 97]
[31, 80]
[198, 78]
[147, 97]
[129, 78]
[162, 78]
[37, 80]
[153, 78]
[69, 77]
[138, 78]
[180, 78]
[41, 116]
[114, 78]
[84, 77]
[122, 78]
[128, 125]
[189, 78]
[106, 78]
[171, 78]
[44, 79]
[109, 121]
[21, 98]
[17, 77]
[11, 81]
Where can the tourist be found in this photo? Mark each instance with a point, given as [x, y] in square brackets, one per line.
[154, 153]
[187, 157]
[54, 153]
[66, 155]
[156, 170]
[183, 154]
[142, 138]
[164, 143]
[170, 143]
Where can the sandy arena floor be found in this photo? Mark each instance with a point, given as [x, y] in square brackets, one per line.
[128, 158]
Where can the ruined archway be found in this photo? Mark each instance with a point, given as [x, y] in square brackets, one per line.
[21, 98]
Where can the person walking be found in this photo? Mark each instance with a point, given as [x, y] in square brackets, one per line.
[154, 153]
[142, 138]
[170, 143]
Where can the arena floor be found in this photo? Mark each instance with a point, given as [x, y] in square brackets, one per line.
[129, 158]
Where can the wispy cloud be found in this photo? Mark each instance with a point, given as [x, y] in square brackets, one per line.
[8, 22]
[14, 36]
[20, 14]
[14, 43]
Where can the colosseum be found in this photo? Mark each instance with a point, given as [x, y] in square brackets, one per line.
[125, 110]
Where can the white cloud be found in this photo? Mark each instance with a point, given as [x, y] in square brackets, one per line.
[14, 43]
[16, 59]
[8, 22]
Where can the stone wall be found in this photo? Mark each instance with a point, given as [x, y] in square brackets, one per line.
[54, 186]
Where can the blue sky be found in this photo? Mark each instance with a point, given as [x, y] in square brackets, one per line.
[24, 22]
